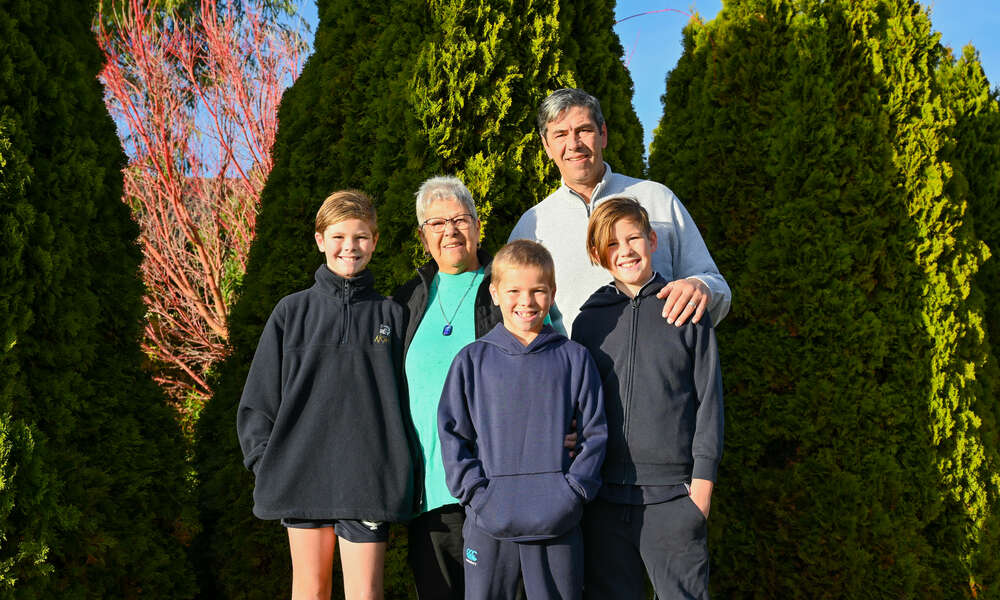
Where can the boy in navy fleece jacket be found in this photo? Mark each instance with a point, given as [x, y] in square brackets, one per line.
[320, 421]
[663, 389]
[509, 399]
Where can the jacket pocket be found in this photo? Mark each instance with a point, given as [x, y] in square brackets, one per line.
[535, 506]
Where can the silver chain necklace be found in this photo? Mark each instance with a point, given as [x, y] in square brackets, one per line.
[448, 327]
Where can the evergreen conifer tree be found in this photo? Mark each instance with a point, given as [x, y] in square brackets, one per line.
[808, 140]
[22, 541]
[93, 484]
[975, 156]
[394, 93]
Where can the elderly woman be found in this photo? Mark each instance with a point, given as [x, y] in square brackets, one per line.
[449, 306]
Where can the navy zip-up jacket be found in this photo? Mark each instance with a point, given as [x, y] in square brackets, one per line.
[321, 422]
[662, 388]
[504, 412]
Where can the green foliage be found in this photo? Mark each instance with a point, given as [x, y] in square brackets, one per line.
[92, 471]
[974, 156]
[394, 93]
[22, 553]
[809, 141]
[949, 254]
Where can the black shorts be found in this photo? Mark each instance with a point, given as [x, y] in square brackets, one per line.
[359, 532]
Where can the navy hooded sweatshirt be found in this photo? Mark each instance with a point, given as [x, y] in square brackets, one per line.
[504, 412]
[662, 388]
[321, 421]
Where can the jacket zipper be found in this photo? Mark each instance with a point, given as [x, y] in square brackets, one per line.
[347, 311]
[634, 302]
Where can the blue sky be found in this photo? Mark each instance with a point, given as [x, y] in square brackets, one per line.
[652, 42]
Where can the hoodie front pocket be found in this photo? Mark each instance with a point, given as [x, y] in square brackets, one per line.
[539, 505]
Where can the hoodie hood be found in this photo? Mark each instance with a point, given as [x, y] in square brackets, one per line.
[508, 344]
[610, 295]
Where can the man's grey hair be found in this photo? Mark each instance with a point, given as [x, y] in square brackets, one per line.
[566, 98]
[443, 187]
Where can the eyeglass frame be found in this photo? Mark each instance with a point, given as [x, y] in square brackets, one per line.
[444, 223]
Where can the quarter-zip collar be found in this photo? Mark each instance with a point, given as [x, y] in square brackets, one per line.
[347, 290]
[595, 193]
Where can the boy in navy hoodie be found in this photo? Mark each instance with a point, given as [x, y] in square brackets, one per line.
[509, 399]
[663, 391]
[320, 421]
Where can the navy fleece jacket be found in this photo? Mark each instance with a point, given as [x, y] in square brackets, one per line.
[504, 412]
[662, 388]
[320, 422]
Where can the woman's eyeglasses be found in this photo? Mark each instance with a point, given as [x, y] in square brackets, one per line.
[461, 222]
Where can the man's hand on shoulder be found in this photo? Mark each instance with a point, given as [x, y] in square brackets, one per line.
[685, 299]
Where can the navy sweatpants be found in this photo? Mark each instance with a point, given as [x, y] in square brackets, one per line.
[551, 569]
[668, 540]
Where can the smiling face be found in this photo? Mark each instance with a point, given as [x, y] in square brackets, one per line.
[454, 249]
[348, 246]
[524, 295]
[629, 256]
[575, 143]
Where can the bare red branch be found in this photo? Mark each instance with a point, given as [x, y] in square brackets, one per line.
[196, 100]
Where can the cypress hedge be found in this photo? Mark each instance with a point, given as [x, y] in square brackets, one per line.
[93, 491]
[394, 93]
[22, 545]
[810, 141]
[975, 157]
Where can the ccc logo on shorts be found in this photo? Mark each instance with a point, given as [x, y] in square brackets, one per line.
[471, 556]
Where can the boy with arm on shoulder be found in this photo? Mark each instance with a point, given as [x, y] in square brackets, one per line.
[663, 394]
[509, 399]
[320, 421]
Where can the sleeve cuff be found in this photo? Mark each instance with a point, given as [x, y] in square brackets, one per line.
[705, 468]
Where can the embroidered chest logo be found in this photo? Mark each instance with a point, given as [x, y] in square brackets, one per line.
[382, 337]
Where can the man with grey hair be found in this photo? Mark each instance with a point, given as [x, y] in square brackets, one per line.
[574, 136]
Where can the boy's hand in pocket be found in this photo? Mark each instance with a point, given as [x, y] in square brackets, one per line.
[701, 495]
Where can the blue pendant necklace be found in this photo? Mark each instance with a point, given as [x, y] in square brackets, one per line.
[447, 326]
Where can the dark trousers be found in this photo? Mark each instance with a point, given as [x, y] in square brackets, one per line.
[435, 553]
[668, 540]
[549, 568]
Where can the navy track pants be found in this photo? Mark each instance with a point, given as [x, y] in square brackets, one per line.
[551, 569]
[624, 542]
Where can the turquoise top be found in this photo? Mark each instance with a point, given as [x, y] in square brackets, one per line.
[427, 362]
